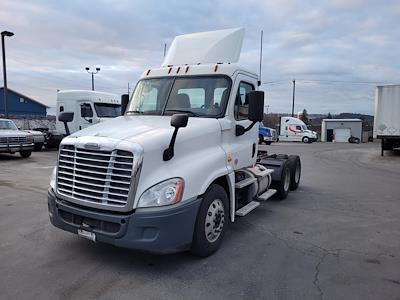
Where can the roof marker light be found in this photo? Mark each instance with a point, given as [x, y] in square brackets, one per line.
[148, 72]
[187, 69]
[215, 68]
[169, 71]
[177, 70]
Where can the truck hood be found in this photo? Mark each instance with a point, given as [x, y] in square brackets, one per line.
[12, 133]
[150, 131]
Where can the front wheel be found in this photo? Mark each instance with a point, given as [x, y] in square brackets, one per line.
[306, 140]
[38, 146]
[25, 153]
[212, 220]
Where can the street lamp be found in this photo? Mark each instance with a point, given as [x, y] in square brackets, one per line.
[97, 71]
[4, 34]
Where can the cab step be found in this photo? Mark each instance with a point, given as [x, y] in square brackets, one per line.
[247, 208]
[243, 183]
[268, 194]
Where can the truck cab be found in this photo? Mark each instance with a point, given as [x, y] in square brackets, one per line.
[295, 130]
[181, 163]
[89, 108]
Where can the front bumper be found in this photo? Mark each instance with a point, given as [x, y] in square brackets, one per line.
[164, 230]
[11, 148]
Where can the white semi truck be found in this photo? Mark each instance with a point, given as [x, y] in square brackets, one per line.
[387, 117]
[181, 163]
[295, 130]
[89, 108]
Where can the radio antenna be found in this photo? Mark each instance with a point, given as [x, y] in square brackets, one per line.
[261, 53]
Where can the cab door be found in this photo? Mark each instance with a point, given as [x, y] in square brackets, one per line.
[85, 114]
[241, 149]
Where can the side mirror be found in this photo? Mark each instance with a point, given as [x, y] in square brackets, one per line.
[124, 103]
[177, 121]
[256, 106]
[66, 117]
[256, 111]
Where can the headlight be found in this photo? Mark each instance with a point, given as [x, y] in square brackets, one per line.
[53, 178]
[29, 139]
[164, 193]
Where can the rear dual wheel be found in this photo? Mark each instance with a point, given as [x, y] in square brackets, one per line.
[295, 171]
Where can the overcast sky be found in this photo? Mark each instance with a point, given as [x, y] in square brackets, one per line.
[336, 50]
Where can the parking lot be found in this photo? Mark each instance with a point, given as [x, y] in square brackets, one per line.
[336, 237]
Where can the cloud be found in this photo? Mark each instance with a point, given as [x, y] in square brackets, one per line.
[352, 40]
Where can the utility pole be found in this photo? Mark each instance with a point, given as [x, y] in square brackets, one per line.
[165, 49]
[294, 93]
[4, 34]
[97, 71]
[261, 53]
[129, 89]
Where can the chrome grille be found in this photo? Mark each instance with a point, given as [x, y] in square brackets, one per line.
[13, 140]
[97, 176]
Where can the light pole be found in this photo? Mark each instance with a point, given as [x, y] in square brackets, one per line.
[97, 71]
[4, 34]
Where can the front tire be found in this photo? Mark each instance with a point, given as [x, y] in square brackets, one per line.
[25, 153]
[306, 140]
[212, 221]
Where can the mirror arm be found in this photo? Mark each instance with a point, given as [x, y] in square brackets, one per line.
[66, 128]
[169, 152]
[240, 130]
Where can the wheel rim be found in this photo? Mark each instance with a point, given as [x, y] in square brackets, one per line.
[305, 140]
[286, 180]
[215, 219]
[297, 173]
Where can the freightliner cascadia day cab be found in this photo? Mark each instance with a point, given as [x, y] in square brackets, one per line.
[181, 163]
[266, 135]
[295, 130]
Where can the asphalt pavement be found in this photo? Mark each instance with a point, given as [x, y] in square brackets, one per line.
[336, 237]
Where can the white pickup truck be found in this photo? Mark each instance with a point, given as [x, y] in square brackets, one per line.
[14, 140]
[181, 163]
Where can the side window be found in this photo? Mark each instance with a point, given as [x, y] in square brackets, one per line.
[298, 127]
[242, 101]
[86, 110]
[61, 108]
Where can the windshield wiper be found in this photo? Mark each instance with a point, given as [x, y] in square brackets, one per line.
[184, 111]
[134, 111]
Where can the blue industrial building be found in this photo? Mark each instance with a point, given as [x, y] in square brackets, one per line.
[20, 105]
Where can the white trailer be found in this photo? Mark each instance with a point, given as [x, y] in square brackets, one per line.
[181, 163]
[387, 117]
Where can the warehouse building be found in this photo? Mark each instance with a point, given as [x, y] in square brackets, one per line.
[20, 105]
[339, 130]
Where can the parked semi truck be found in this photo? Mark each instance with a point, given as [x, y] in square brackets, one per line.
[295, 130]
[266, 135]
[181, 164]
[89, 108]
[387, 117]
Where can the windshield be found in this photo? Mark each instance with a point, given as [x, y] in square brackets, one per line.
[5, 124]
[304, 127]
[107, 110]
[198, 96]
